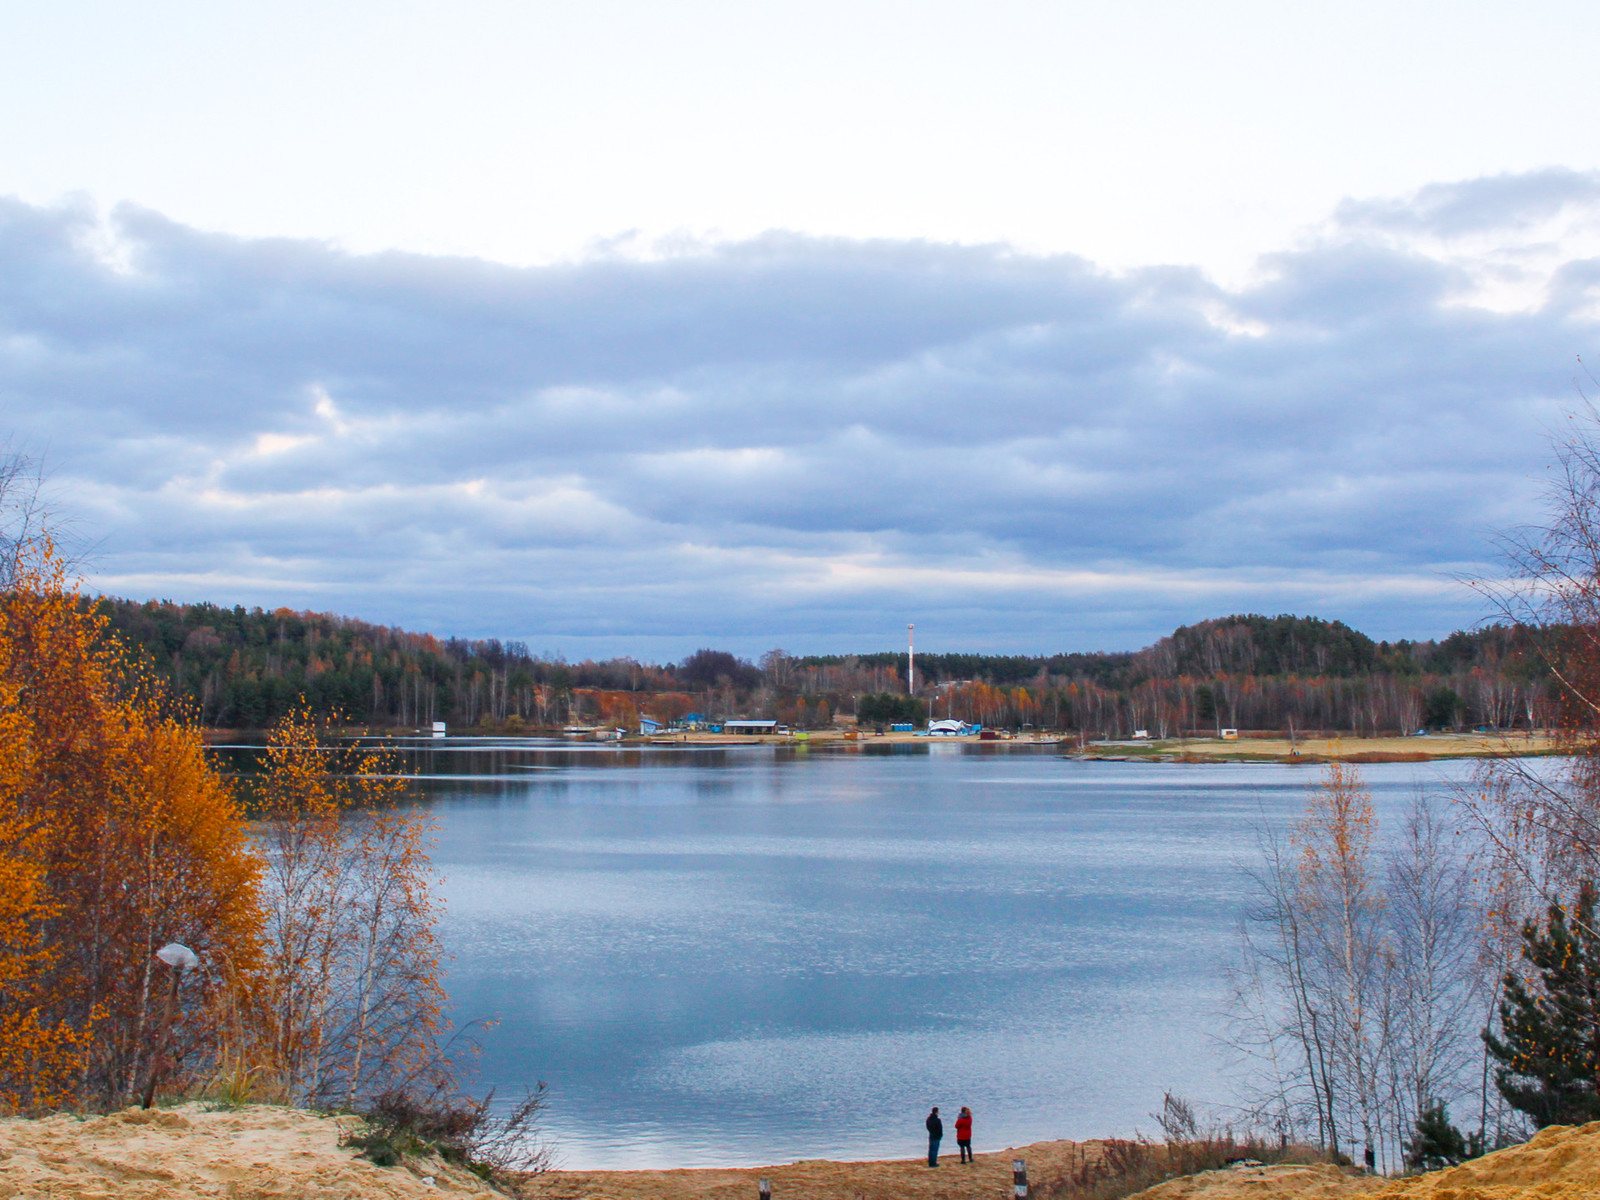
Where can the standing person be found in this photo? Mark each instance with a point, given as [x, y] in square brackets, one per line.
[964, 1133]
[935, 1132]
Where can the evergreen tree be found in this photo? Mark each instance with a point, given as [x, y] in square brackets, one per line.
[1438, 1143]
[1549, 1043]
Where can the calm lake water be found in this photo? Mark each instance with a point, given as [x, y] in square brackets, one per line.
[754, 955]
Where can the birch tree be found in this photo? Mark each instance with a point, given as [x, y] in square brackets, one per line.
[1358, 990]
[355, 1002]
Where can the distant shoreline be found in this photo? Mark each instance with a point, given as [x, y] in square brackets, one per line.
[1253, 748]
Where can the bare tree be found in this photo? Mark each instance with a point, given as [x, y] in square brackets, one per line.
[1356, 998]
[1275, 1026]
[1544, 824]
[1439, 976]
[24, 519]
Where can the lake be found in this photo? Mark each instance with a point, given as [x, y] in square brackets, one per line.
[757, 954]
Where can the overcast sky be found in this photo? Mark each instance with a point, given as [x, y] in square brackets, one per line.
[631, 328]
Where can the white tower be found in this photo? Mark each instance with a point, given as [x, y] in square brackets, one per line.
[911, 659]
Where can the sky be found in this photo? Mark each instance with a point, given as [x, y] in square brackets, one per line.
[630, 328]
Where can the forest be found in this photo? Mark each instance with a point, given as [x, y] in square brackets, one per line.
[246, 668]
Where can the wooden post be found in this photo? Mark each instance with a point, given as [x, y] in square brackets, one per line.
[1019, 1178]
[766, 1189]
[158, 1055]
[177, 958]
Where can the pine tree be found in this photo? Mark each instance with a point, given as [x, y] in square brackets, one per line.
[1549, 1043]
[1438, 1143]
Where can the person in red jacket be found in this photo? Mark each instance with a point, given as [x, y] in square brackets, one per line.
[964, 1133]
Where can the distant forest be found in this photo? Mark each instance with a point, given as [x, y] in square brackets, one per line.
[244, 668]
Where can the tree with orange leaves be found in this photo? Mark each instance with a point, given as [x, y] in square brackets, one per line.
[39, 1063]
[120, 838]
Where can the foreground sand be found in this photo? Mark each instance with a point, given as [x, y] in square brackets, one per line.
[251, 1153]
[1560, 1163]
[265, 1153]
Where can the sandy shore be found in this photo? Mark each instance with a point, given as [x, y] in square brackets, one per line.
[1560, 1163]
[988, 1177]
[1392, 749]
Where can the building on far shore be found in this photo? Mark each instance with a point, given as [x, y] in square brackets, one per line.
[750, 727]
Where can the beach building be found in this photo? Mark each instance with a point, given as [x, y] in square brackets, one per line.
[750, 727]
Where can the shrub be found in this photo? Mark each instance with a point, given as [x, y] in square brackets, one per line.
[401, 1124]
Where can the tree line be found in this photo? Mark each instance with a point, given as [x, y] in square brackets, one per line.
[248, 668]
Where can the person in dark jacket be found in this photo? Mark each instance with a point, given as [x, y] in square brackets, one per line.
[964, 1133]
[935, 1132]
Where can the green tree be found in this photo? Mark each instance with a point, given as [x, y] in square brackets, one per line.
[1549, 1042]
[1443, 708]
[1438, 1143]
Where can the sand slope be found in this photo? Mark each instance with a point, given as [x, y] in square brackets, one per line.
[1561, 1161]
[1318, 1181]
[251, 1153]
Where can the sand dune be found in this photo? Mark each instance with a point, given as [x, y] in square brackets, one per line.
[1560, 1162]
[251, 1153]
[1300, 1182]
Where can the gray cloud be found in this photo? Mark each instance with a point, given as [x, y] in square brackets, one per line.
[794, 440]
[1489, 204]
